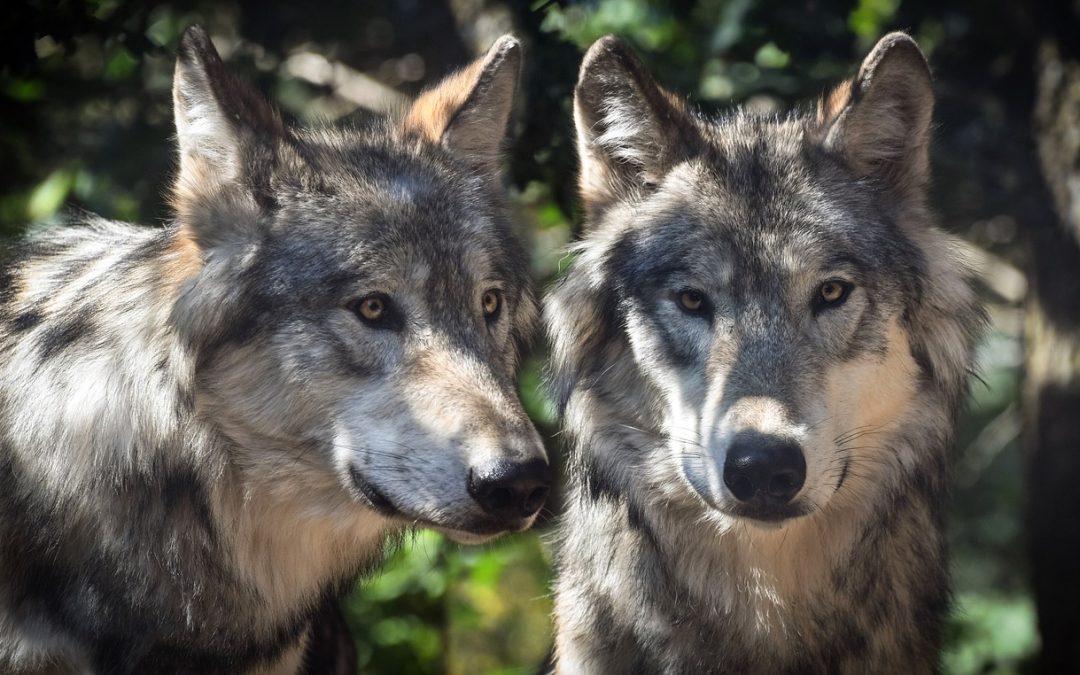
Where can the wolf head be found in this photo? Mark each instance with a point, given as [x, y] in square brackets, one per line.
[775, 288]
[355, 299]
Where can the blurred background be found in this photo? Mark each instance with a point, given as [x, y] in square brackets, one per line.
[85, 123]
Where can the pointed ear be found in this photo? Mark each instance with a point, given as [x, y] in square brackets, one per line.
[630, 131]
[469, 111]
[226, 134]
[880, 121]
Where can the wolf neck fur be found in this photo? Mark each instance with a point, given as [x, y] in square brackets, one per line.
[766, 579]
[293, 540]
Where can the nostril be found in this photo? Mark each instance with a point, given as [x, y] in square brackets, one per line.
[742, 487]
[535, 500]
[499, 499]
[783, 484]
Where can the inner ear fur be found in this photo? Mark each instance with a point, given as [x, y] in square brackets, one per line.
[469, 112]
[880, 121]
[226, 135]
[630, 130]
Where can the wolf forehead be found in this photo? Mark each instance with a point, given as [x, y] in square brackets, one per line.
[364, 203]
[761, 199]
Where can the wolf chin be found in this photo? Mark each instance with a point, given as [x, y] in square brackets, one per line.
[759, 353]
[208, 429]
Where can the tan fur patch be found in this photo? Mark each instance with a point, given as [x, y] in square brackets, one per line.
[878, 392]
[448, 392]
[182, 261]
[432, 112]
[830, 107]
[190, 185]
[762, 414]
[468, 112]
[290, 539]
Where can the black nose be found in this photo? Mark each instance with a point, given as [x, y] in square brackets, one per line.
[764, 470]
[510, 490]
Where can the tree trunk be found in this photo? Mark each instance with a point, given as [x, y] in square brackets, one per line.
[1052, 387]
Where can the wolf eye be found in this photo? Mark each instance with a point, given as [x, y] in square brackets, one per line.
[372, 309]
[491, 301]
[832, 293]
[691, 300]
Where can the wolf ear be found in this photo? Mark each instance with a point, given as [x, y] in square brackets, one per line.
[630, 131]
[468, 112]
[880, 121]
[226, 134]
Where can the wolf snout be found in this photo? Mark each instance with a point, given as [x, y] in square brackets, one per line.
[508, 490]
[764, 471]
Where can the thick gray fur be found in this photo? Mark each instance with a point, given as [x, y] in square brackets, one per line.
[659, 568]
[201, 437]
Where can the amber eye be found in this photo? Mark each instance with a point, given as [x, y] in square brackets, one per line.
[833, 292]
[491, 301]
[691, 300]
[371, 308]
[377, 310]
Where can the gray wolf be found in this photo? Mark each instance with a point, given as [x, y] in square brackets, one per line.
[208, 429]
[759, 353]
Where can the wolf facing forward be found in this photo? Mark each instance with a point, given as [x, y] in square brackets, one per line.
[208, 429]
[759, 352]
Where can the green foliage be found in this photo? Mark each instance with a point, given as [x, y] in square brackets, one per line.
[648, 24]
[991, 633]
[868, 19]
[49, 195]
[438, 607]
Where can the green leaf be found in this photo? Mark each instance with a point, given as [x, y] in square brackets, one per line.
[771, 56]
[50, 194]
[870, 17]
[119, 65]
[24, 90]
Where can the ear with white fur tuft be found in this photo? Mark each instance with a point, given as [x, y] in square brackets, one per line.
[469, 111]
[880, 121]
[226, 134]
[630, 131]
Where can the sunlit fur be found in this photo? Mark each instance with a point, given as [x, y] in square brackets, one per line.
[659, 567]
[190, 416]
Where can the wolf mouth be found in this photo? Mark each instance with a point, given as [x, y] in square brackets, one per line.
[474, 530]
[764, 516]
[377, 499]
[773, 516]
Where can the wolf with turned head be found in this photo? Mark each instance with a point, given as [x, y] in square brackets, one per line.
[759, 354]
[207, 430]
